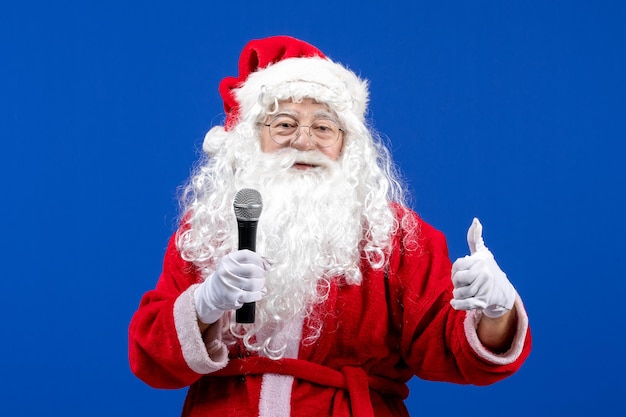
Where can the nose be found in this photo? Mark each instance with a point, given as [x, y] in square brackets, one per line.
[303, 141]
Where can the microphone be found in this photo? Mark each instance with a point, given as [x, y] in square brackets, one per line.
[248, 206]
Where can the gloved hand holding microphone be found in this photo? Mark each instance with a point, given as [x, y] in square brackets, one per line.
[479, 283]
[239, 279]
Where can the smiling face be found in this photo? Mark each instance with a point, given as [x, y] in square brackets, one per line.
[315, 120]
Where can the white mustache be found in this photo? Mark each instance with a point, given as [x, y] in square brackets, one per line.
[288, 157]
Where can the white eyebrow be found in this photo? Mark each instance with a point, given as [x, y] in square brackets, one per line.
[286, 113]
[324, 114]
[320, 114]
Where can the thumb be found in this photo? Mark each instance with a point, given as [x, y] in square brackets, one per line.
[475, 237]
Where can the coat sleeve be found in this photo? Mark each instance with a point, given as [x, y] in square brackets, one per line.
[437, 342]
[166, 348]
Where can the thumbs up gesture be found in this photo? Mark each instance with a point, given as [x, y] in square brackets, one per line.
[478, 280]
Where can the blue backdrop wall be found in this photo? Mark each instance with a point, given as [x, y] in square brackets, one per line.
[512, 111]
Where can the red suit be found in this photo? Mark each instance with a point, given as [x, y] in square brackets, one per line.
[376, 336]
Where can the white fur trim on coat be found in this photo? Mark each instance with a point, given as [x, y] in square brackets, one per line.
[203, 355]
[471, 323]
[276, 389]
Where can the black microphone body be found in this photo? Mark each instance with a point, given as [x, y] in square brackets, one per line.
[247, 240]
[247, 234]
[248, 206]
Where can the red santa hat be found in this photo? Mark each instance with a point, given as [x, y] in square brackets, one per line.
[282, 67]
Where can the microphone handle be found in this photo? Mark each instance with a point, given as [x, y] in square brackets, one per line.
[247, 240]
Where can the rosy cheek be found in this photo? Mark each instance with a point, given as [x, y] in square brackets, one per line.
[333, 153]
[268, 146]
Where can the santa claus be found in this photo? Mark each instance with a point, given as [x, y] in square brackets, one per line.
[354, 293]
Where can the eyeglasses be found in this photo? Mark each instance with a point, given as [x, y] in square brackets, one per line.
[284, 130]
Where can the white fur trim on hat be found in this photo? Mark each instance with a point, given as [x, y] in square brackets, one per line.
[313, 77]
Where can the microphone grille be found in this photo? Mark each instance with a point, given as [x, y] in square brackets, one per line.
[248, 204]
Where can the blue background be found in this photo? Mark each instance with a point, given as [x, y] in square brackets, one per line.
[512, 111]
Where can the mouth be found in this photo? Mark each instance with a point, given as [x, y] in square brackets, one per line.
[304, 166]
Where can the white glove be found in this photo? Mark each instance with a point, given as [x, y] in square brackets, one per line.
[239, 278]
[478, 280]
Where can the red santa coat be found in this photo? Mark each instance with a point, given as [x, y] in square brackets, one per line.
[376, 336]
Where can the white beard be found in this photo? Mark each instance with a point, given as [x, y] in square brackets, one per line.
[309, 229]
